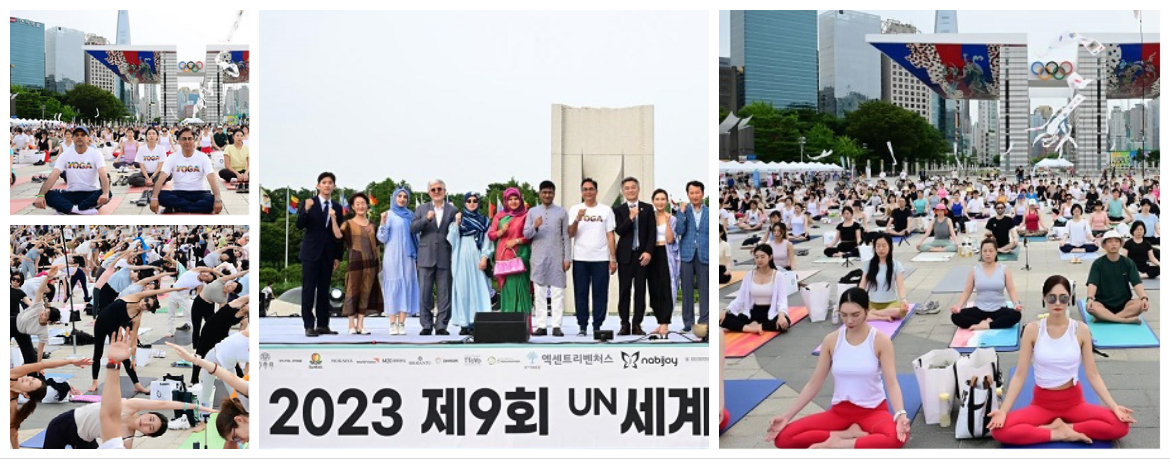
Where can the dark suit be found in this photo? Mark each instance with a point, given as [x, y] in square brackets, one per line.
[630, 270]
[319, 249]
[434, 265]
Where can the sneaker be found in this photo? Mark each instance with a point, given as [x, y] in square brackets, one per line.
[353, 331]
[425, 332]
[581, 333]
[179, 423]
[931, 307]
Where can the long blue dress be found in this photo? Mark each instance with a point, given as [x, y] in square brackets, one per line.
[470, 292]
[399, 275]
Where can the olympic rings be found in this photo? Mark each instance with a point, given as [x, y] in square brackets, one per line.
[1052, 70]
[190, 66]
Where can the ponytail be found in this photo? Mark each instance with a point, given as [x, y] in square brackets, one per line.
[34, 397]
[229, 408]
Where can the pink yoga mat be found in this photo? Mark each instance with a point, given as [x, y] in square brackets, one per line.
[889, 328]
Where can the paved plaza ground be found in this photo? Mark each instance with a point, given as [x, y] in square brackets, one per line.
[1132, 375]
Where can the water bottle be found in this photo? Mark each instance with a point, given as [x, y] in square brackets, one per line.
[944, 410]
[836, 313]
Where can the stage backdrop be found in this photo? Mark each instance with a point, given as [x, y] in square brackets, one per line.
[565, 396]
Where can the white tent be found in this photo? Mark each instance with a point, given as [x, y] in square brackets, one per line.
[782, 166]
[191, 121]
[1053, 163]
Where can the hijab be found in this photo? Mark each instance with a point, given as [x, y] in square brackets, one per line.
[519, 211]
[473, 222]
[406, 215]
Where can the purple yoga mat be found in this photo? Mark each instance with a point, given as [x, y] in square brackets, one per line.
[889, 328]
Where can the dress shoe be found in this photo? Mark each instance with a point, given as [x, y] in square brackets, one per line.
[425, 332]
[625, 330]
[638, 330]
[311, 332]
[442, 331]
[540, 332]
[557, 332]
[325, 331]
[581, 333]
[464, 331]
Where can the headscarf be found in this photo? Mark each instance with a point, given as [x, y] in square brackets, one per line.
[406, 215]
[473, 222]
[520, 211]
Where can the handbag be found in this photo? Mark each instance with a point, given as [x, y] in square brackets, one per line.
[511, 266]
[935, 372]
[978, 399]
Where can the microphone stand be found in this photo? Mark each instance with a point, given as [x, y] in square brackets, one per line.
[1027, 260]
[69, 294]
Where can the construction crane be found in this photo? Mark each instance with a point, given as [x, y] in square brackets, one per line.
[236, 25]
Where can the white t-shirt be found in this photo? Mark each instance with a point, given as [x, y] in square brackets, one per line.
[82, 169]
[188, 280]
[591, 243]
[232, 350]
[189, 173]
[1078, 232]
[151, 158]
[21, 140]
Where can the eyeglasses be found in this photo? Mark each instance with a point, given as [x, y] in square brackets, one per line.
[186, 139]
[589, 189]
[1054, 299]
[436, 190]
[472, 201]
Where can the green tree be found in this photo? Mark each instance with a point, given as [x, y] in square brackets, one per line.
[819, 138]
[875, 122]
[722, 114]
[96, 104]
[39, 103]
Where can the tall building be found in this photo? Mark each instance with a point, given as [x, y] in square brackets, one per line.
[730, 82]
[1153, 119]
[777, 52]
[901, 88]
[986, 141]
[1139, 129]
[64, 58]
[26, 52]
[849, 68]
[96, 73]
[1118, 135]
[947, 112]
[123, 37]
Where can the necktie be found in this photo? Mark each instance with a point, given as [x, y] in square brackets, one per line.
[328, 205]
[636, 245]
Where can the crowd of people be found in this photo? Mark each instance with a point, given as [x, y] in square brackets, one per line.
[118, 275]
[446, 264]
[140, 156]
[994, 217]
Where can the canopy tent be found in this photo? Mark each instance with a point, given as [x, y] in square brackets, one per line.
[1052, 163]
[191, 121]
[749, 166]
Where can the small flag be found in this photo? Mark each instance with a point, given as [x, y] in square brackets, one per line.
[373, 200]
[293, 205]
[265, 202]
[344, 203]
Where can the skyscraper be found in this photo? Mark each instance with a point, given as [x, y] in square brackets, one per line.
[123, 37]
[64, 58]
[777, 51]
[901, 88]
[27, 52]
[730, 79]
[850, 69]
[947, 111]
[986, 140]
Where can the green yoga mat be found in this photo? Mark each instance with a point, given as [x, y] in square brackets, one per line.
[1010, 256]
[214, 441]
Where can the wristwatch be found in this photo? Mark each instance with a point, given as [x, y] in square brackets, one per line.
[112, 365]
[900, 413]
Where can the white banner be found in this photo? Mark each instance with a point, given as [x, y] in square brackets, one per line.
[565, 396]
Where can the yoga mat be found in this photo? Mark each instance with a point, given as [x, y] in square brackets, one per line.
[740, 345]
[1025, 399]
[801, 276]
[1010, 256]
[38, 441]
[17, 205]
[1152, 284]
[911, 396]
[1002, 340]
[954, 281]
[213, 442]
[87, 398]
[927, 257]
[1107, 335]
[836, 260]
[889, 328]
[811, 238]
[182, 338]
[1036, 238]
[736, 276]
[59, 376]
[1083, 256]
[128, 387]
[743, 395]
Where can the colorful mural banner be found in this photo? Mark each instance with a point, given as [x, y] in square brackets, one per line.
[241, 59]
[1121, 158]
[1132, 70]
[136, 67]
[954, 71]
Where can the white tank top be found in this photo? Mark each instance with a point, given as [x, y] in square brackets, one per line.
[89, 421]
[761, 294]
[798, 224]
[661, 236]
[1056, 361]
[857, 374]
[205, 141]
[165, 141]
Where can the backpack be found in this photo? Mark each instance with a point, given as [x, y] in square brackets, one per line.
[853, 277]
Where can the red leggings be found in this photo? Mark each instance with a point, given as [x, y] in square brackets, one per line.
[877, 421]
[1022, 426]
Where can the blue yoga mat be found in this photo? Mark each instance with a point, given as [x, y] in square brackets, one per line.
[743, 395]
[911, 396]
[810, 238]
[59, 376]
[1002, 340]
[1090, 256]
[37, 442]
[1107, 335]
[1036, 238]
[1025, 399]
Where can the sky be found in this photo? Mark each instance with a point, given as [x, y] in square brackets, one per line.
[1041, 27]
[190, 32]
[467, 96]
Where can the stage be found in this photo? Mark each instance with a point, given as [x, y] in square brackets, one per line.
[291, 330]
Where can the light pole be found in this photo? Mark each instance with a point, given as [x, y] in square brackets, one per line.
[802, 140]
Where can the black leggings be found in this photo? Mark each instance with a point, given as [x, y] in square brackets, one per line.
[1149, 270]
[25, 343]
[849, 249]
[62, 432]
[201, 311]
[78, 277]
[100, 333]
[759, 314]
[219, 326]
[658, 278]
[1000, 318]
[105, 296]
[724, 275]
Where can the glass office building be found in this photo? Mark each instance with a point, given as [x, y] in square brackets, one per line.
[777, 51]
[27, 52]
[850, 69]
[64, 58]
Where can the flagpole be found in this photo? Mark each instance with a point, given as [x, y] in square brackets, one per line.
[286, 213]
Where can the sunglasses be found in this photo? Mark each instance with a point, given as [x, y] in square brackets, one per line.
[472, 201]
[1054, 299]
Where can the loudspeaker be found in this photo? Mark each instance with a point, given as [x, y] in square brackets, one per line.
[501, 327]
